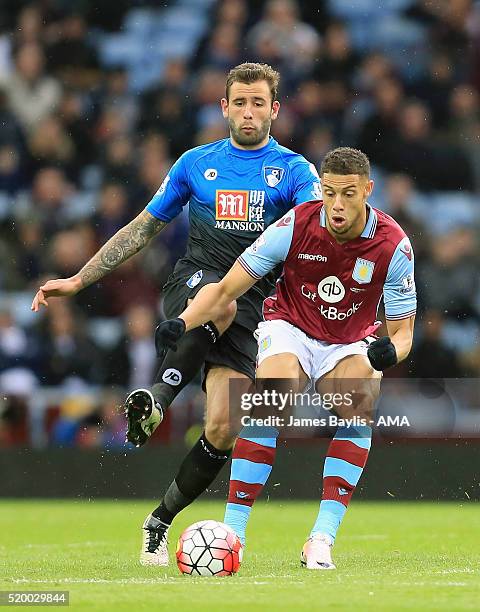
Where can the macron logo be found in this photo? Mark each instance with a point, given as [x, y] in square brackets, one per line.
[312, 257]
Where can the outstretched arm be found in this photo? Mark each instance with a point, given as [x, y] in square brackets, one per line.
[213, 299]
[125, 243]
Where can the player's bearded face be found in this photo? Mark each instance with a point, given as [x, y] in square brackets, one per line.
[344, 198]
[251, 137]
[250, 112]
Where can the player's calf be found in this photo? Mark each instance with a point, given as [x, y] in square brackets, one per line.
[181, 355]
[145, 408]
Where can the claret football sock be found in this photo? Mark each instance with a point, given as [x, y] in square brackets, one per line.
[252, 462]
[344, 463]
[197, 472]
[179, 367]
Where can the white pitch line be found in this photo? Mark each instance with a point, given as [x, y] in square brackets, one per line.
[167, 580]
[368, 536]
[457, 571]
[87, 544]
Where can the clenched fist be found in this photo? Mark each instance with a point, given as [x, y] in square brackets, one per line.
[167, 335]
[382, 354]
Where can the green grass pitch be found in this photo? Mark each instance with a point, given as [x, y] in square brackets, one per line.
[390, 556]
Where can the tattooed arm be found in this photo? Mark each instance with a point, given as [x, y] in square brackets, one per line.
[125, 243]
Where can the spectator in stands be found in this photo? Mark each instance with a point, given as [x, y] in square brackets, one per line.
[48, 201]
[71, 248]
[50, 145]
[435, 88]
[12, 173]
[11, 132]
[130, 285]
[464, 126]
[209, 88]
[70, 56]
[233, 12]
[378, 135]
[166, 111]
[338, 59]
[118, 163]
[449, 282]
[317, 143]
[431, 356]
[132, 362]
[29, 249]
[116, 96]
[66, 352]
[112, 421]
[112, 212]
[407, 208]
[32, 94]
[433, 165]
[76, 122]
[14, 351]
[153, 163]
[281, 37]
[29, 27]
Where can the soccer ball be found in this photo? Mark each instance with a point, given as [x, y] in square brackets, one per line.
[209, 548]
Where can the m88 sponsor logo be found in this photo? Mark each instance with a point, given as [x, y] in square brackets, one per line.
[240, 210]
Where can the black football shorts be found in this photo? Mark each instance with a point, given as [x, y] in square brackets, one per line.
[236, 348]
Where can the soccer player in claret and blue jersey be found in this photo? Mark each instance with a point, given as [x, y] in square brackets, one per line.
[235, 188]
[340, 257]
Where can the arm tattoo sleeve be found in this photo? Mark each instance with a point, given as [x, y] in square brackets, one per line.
[125, 243]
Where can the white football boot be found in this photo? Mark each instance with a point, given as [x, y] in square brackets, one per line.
[317, 553]
[154, 546]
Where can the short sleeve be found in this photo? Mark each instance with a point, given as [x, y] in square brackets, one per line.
[305, 185]
[173, 194]
[399, 293]
[270, 248]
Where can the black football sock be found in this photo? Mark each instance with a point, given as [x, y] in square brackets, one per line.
[179, 367]
[198, 470]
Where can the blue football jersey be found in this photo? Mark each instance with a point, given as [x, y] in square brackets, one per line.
[233, 195]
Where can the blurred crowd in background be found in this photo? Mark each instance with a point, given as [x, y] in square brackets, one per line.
[98, 99]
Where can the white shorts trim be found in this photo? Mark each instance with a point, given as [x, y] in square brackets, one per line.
[316, 357]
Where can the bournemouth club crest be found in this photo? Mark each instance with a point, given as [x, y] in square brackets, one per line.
[273, 175]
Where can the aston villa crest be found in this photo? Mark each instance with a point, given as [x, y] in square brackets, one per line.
[363, 271]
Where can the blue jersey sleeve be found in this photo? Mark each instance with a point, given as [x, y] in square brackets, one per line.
[305, 184]
[173, 193]
[399, 292]
[270, 248]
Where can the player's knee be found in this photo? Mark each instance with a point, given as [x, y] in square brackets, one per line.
[226, 318]
[220, 435]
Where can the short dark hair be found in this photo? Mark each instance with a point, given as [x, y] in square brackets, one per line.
[345, 160]
[250, 72]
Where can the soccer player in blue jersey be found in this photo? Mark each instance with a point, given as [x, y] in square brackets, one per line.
[235, 188]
